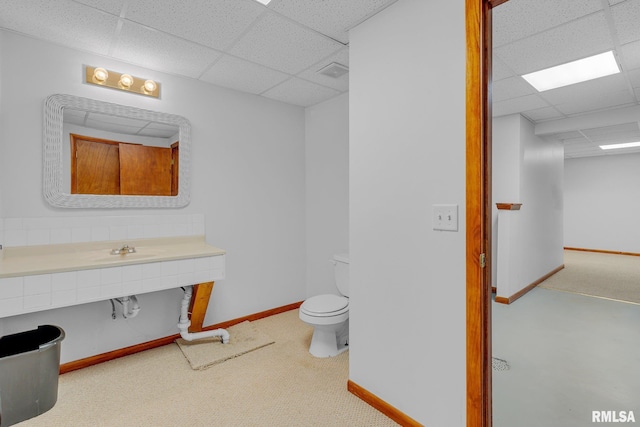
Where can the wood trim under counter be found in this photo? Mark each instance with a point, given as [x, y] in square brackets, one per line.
[198, 305]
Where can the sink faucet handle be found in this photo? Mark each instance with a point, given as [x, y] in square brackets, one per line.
[125, 249]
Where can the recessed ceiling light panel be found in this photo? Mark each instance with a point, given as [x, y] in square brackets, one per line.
[578, 71]
[264, 2]
[618, 146]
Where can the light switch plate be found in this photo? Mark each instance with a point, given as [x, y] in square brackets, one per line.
[445, 217]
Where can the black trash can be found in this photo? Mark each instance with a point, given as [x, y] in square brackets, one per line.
[29, 370]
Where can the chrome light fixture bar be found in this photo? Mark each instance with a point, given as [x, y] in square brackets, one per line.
[112, 79]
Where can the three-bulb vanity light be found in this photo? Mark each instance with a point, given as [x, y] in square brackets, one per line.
[126, 82]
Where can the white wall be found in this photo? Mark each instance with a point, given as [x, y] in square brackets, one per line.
[327, 190]
[2, 142]
[406, 154]
[527, 170]
[247, 179]
[602, 203]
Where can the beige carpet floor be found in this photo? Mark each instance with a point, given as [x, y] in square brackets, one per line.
[206, 352]
[277, 385]
[603, 275]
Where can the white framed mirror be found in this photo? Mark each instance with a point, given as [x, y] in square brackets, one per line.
[84, 115]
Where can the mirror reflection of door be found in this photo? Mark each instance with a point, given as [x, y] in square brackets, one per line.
[145, 171]
[175, 167]
[101, 166]
[95, 166]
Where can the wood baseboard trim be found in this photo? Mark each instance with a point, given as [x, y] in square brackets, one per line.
[512, 298]
[382, 406]
[104, 357]
[602, 251]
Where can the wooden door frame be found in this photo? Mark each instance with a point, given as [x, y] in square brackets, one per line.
[478, 210]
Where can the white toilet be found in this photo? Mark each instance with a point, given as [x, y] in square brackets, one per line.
[329, 314]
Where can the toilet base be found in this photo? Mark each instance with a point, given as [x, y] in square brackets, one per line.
[329, 340]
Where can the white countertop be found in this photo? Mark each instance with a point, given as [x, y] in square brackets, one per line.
[32, 260]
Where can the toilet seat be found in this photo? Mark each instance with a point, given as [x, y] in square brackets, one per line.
[325, 305]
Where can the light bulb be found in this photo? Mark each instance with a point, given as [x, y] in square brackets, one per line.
[126, 81]
[100, 75]
[150, 86]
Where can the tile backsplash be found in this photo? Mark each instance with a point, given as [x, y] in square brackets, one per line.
[55, 230]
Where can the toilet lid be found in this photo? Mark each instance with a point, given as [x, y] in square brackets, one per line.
[325, 304]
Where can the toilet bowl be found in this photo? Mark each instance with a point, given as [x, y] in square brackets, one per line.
[329, 314]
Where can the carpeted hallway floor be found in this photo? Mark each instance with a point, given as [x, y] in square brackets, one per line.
[603, 275]
[278, 385]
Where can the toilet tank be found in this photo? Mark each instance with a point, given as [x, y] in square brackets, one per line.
[341, 273]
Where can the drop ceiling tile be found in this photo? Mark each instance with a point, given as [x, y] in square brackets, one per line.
[512, 87]
[499, 70]
[330, 17]
[280, 44]
[516, 105]
[581, 148]
[300, 92]
[161, 129]
[595, 103]
[617, 138]
[211, 23]
[587, 153]
[115, 120]
[631, 55]
[74, 117]
[236, 73]
[588, 91]
[113, 7]
[571, 153]
[621, 151]
[341, 83]
[570, 138]
[614, 134]
[634, 77]
[626, 17]
[64, 22]
[162, 52]
[608, 130]
[516, 20]
[575, 40]
[543, 114]
[113, 127]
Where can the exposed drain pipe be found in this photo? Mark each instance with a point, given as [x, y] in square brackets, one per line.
[125, 307]
[184, 322]
[126, 312]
